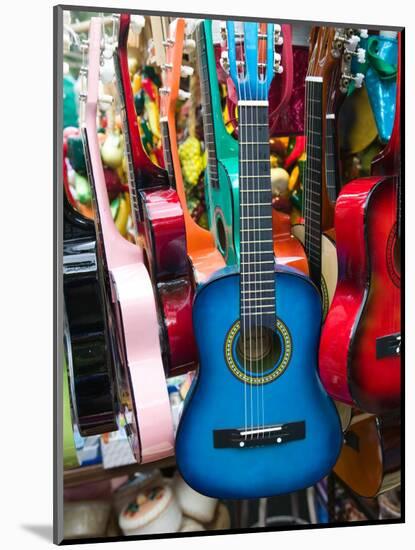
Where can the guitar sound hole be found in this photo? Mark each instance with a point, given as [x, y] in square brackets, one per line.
[220, 230]
[259, 349]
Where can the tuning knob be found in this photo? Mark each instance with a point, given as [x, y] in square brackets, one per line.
[107, 71]
[363, 33]
[358, 80]
[224, 60]
[106, 99]
[353, 42]
[361, 55]
[186, 71]
[137, 23]
[189, 45]
[183, 96]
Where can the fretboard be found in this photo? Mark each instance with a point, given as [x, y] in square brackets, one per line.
[168, 159]
[102, 257]
[207, 115]
[257, 287]
[330, 156]
[313, 176]
[131, 175]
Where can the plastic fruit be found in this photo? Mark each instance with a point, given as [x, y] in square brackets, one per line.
[112, 151]
[279, 181]
[191, 159]
[83, 189]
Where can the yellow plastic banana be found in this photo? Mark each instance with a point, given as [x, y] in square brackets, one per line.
[136, 85]
[123, 213]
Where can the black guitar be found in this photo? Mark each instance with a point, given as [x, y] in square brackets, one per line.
[86, 336]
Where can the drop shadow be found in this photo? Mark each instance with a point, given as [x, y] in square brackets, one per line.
[44, 532]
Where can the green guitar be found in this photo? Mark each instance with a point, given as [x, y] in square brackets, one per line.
[221, 179]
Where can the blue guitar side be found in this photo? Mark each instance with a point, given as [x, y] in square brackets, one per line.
[216, 400]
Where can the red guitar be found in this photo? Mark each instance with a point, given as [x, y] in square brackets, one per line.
[158, 217]
[361, 339]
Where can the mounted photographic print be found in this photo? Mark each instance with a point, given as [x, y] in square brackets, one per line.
[229, 229]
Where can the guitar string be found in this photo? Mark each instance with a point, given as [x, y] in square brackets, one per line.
[232, 44]
[253, 112]
[251, 261]
[261, 389]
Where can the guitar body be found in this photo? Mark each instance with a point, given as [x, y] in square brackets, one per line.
[370, 460]
[86, 333]
[328, 265]
[222, 204]
[151, 435]
[366, 304]
[217, 401]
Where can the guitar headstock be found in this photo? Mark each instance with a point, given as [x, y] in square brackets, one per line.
[175, 45]
[250, 57]
[92, 49]
[331, 54]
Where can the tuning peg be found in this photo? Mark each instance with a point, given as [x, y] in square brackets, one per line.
[224, 60]
[352, 42]
[189, 45]
[363, 33]
[277, 35]
[278, 69]
[361, 55]
[168, 43]
[105, 101]
[183, 96]
[186, 71]
[107, 72]
[137, 23]
[358, 79]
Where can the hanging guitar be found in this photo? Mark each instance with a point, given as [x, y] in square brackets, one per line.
[131, 308]
[89, 358]
[256, 407]
[361, 340]
[158, 218]
[370, 461]
[222, 186]
[204, 256]
[327, 69]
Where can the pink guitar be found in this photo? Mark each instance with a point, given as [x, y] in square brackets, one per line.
[129, 297]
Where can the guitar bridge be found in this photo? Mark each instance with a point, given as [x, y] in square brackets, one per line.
[260, 436]
[388, 346]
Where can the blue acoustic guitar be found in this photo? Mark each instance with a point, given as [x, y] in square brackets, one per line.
[221, 180]
[257, 421]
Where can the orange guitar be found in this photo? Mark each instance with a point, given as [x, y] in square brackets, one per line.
[205, 257]
[370, 461]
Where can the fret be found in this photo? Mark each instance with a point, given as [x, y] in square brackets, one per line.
[261, 312]
[256, 273]
[258, 299]
[244, 291]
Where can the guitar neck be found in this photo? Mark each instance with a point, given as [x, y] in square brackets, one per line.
[207, 104]
[143, 171]
[332, 175]
[168, 158]
[257, 287]
[312, 209]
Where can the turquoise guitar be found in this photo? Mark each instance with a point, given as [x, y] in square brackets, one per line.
[221, 180]
[257, 421]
